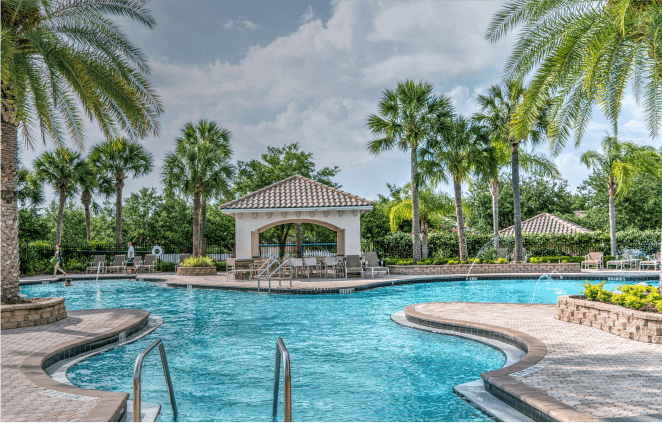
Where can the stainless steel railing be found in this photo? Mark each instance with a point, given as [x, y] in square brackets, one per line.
[265, 269]
[277, 269]
[287, 382]
[137, 372]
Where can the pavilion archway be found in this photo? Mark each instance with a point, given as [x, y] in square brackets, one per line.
[255, 235]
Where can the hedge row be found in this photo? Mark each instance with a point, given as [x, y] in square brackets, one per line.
[445, 244]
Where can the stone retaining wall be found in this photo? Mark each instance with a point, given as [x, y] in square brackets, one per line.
[463, 269]
[196, 271]
[621, 321]
[33, 314]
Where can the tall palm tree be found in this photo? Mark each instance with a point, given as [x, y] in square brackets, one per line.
[430, 204]
[579, 53]
[458, 151]
[621, 162]
[219, 186]
[92, 184]
[30, 191]
[118, 159]
[57, 55]
[198, 167]
[63, 169]
[497, 114]
[407, 117]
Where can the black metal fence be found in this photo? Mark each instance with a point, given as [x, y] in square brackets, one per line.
[319, 249]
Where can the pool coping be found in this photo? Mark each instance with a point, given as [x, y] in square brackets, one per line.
[527, 400]
[112, 406]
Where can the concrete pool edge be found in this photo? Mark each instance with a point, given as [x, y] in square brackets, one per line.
[531, 402]
[112, 406]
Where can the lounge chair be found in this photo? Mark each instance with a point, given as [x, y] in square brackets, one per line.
[353, 265]
[149, 265]
[373, 265]
[118, 264]
[627, 257]
[95, 265]
[593, 259]
[333, 264]
[297, 265]
[311, 265]
[655, 262]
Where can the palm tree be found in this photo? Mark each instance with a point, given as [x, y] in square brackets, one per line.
[90, 185]
[621, 162]
[116, 160]
[408, 115]
[430, 204]
[497, 113]
[57, 55]
[29, 190]
[63, 170]
[198, 167]
[579, 53]
[457, 151]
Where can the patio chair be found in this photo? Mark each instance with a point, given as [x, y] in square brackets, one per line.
[312, 266]
[655, 262]
[297, 265]
[353, 265]
[101, 259]
[118, 264]
[593, 259]
[333, 264]
[148, 265]
[627, 257]
[373, 265]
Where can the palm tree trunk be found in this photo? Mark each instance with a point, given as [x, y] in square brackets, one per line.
[203, 227]
[415, 223]
[494, 190]
[611, 189]
[119, 184]
[517, 207]
[9, 269]
[424, 237]
[659, 286]
[297, 227]
[461, 235]
[60, 215]
[86, 199]
[196, 224]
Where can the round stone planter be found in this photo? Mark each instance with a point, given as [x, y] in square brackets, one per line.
[33, 314]
[196, 271]
[630, 324]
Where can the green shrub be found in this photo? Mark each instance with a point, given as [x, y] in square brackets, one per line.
[198, 262]
[592, 291]
[221, 266]
[166, 266]
[604, 295]
[502, 261]
[453, 261]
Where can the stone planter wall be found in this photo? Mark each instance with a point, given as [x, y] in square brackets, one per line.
[463, 269]
[33, 314]
[196, 271]
[621, 321]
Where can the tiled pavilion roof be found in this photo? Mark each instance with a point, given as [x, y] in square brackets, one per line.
[296, 192]
[546, 223]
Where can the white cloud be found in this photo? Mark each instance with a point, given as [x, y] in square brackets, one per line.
[308, 15]
[241, 22]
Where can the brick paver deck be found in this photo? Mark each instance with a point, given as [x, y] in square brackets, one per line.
[597, 373]
[28, 394]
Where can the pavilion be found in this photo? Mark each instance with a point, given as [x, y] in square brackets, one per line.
[296, 200]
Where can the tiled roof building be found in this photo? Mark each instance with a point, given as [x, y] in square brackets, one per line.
[296, 192]
[546, 223]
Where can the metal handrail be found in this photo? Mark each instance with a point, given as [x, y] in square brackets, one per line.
[277, 269]
[137, 372]
[287, 382]
[258, 276]
[265, 265]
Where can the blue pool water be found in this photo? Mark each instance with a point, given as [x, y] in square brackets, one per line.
[349, 360]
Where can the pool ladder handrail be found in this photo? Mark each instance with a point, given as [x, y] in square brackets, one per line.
[262, 272]
[281, 350]
[137, 372]
[277, 269]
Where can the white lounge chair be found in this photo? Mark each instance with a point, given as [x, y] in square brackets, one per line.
[373, 265]
[312, 266]
[654, 262]
[333, 264]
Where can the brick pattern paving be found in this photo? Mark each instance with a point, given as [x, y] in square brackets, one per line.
[21, 399]
[597, 373]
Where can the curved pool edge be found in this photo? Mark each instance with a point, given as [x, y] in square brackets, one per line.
[532, 403]
[112, 406]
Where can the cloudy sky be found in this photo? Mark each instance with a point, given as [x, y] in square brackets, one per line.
[311, 72]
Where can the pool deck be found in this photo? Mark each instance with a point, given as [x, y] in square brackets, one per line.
[29, 394]
[575, 372]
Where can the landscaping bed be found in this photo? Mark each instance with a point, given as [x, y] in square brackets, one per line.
[32, 312]
[463, 269]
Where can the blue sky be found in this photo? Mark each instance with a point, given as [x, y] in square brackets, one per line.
[311, 72]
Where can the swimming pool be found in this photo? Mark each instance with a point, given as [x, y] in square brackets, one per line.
[349, 360]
